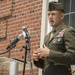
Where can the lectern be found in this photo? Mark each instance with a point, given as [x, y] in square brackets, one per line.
[12, 65]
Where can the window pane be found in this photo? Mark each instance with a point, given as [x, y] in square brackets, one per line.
[73, 20]
[66, 20]
[73, 5]
[66, 4]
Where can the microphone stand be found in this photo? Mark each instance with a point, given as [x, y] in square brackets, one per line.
[27, 48]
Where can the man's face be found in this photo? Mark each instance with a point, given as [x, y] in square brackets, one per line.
[55, 18]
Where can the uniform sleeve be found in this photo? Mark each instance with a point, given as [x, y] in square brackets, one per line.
[67, 57]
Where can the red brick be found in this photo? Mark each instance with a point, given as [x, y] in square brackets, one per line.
[25, 13]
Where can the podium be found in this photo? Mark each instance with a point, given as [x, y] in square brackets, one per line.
[12, 65]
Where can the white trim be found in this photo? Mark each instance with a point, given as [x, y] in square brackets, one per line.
[44, 22]
[43, 25]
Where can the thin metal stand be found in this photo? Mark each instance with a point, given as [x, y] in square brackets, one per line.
[27, 48]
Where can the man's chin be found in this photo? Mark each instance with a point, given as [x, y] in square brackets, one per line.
[51, 24]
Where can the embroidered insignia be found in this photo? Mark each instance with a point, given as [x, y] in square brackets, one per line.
[54, 40]
[59, 39]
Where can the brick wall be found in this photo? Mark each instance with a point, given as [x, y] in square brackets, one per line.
[13, 15]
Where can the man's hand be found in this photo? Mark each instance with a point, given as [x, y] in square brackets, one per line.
[35, 55]
[40, 53]
[43, 52]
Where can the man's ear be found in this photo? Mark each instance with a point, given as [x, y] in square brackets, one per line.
[62, 16]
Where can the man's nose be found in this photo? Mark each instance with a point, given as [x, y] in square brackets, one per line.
[50, 16]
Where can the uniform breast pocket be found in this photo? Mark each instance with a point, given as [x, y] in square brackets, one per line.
[58, 40]
[58, 44]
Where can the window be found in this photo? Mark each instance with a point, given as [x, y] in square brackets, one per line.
[69, 11]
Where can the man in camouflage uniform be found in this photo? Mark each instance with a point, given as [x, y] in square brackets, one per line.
[58, 52]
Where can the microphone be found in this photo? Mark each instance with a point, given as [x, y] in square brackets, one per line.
[26, 31]
[17, 39]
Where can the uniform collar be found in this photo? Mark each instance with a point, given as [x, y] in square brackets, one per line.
[58, 28]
